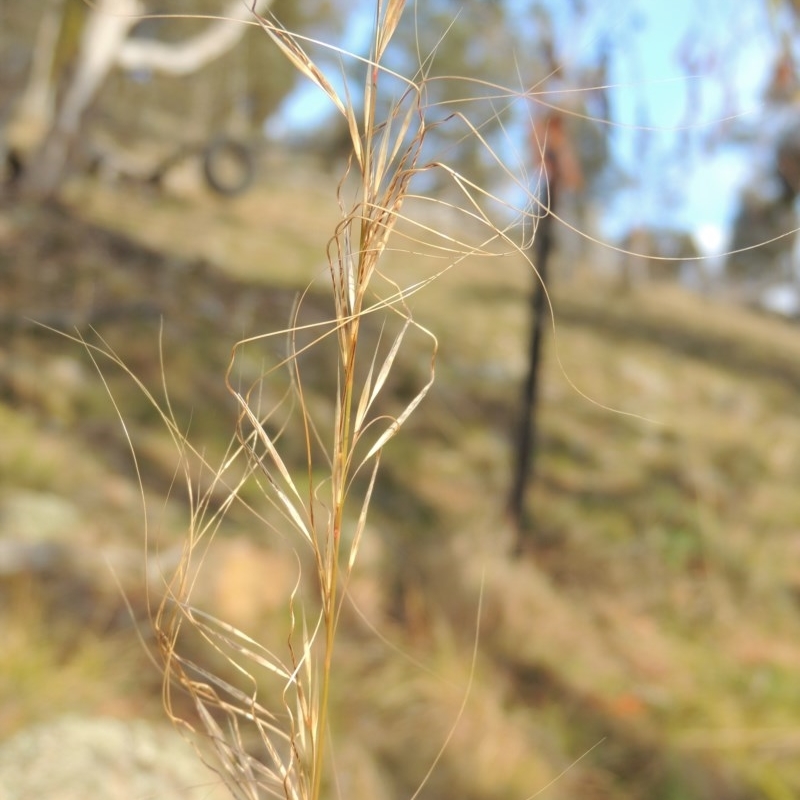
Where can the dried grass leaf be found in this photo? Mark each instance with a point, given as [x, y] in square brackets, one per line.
[286, 502]
[388, 26]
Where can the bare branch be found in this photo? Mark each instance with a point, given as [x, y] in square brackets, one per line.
[186, 57]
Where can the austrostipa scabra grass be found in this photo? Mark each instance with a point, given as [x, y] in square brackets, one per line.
[424, 508]
[264, 698]
[268, 715]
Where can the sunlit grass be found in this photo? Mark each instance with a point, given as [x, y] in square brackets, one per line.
[50, 668]
[665, 590]
[655, 619]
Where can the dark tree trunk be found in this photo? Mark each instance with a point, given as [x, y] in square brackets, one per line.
[526, 428]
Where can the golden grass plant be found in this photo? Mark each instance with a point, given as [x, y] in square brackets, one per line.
[264, 707]
[266, 712]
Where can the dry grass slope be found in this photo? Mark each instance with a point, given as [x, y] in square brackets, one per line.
[655, 628]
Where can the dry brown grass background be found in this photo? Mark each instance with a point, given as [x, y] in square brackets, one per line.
[655, 629]
[645, 645]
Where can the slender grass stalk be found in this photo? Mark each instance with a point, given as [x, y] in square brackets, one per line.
[386, 154]
[266, 714]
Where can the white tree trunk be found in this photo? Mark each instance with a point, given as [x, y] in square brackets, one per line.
[106, 29]
[104, 45]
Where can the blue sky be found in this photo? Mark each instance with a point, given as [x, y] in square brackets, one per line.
[673, 63]
[691, 177]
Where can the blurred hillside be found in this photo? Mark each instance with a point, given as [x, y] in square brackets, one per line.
[647, 645]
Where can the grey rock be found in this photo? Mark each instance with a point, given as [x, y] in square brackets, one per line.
[75, 758]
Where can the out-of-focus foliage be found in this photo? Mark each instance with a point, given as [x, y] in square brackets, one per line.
[486, 66]
[557, 52]
[792, 5]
